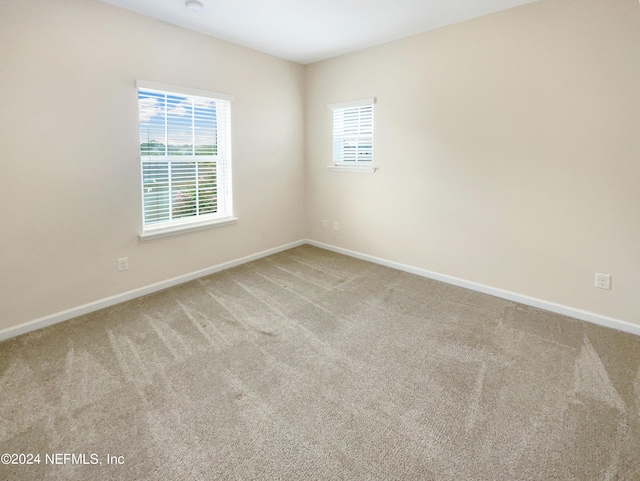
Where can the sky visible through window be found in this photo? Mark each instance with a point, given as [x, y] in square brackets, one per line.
[177, 124]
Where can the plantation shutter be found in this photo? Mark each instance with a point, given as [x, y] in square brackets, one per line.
[353, 132]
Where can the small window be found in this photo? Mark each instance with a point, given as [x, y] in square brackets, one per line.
[185, 154]
[353, 133]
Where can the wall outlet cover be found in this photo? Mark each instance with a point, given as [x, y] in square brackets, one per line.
[603, 281]
[123, 264]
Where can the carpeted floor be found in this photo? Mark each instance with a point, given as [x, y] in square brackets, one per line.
[308, 365]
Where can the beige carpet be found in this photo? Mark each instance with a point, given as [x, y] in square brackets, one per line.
[308, 365]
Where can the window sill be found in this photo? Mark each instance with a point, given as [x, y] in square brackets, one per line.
[363, 169]
[174, 230]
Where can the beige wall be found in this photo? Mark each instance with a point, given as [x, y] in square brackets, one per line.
[507, 146]
[69, 170]
[508, 149]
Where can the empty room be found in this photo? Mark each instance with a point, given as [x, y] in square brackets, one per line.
[319, 240]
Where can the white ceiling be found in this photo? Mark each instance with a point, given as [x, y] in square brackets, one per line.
[306, 31]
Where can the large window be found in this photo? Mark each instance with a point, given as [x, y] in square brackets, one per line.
[353, 133]
[185, 154]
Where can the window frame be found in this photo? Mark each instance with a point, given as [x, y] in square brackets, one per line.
[353, 108]
[221, 157]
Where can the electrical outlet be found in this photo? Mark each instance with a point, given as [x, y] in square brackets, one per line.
[325, 224]
[335, 225]
[123, 264]
[603, 281]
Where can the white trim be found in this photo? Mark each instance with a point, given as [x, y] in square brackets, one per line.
[352, 103]
[142, 291]
[511, 296]
[177, 89]
[363, 169]
[151, 233]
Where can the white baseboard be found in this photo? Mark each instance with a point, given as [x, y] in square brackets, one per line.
[511, 296]
[142, 291]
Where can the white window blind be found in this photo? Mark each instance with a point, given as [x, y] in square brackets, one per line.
[185, 153]
[353, 132]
